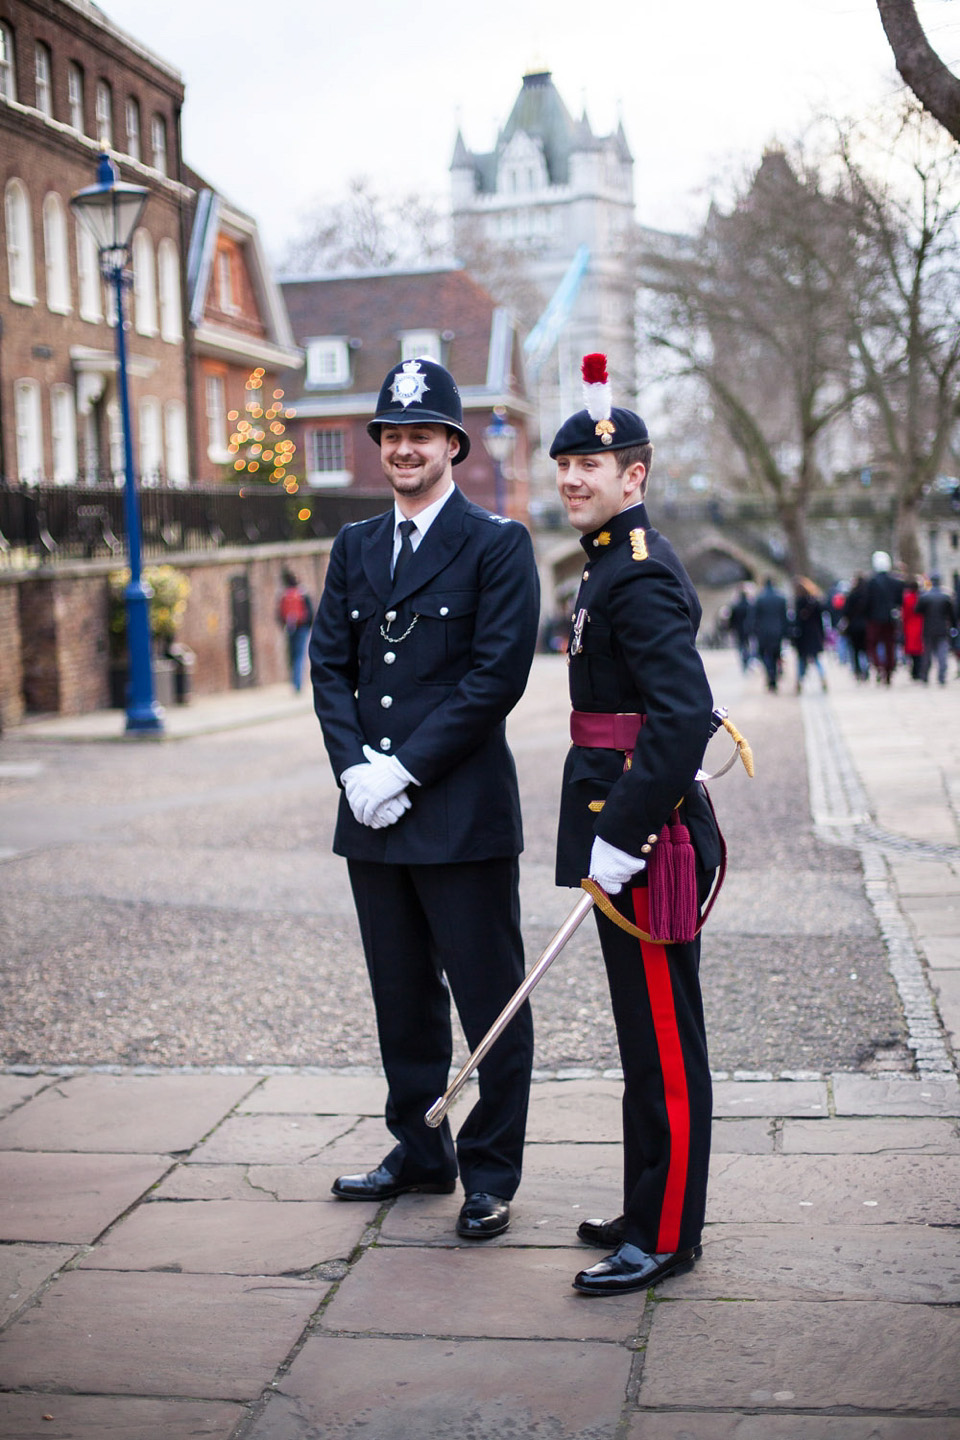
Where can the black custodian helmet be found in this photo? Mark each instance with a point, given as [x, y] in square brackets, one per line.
[420, 392]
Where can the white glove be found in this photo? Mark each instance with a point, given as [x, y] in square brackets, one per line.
[369, 786]
[390, 811]
[612, 868]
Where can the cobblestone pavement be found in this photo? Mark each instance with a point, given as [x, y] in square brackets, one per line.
[178, 904]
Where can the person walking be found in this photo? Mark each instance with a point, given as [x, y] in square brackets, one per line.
[741, 623]
[642, 715]
[295, 615]
[936, 610]
[770, 626]
[884, 595]
[421, 647]
[911, 629]
[807, 629]
[854, 624]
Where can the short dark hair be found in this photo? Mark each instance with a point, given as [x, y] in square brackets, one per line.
[633, 455]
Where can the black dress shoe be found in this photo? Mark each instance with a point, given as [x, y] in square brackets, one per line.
[482, 1216]
[382, 1184]
[630, 1268]
[605, 1234]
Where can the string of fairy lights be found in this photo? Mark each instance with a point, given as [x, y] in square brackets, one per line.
[256, 441]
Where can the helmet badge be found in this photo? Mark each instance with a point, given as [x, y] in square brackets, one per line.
[409, 384]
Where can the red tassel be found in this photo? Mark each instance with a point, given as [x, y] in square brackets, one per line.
[593, 368]
[672, 875]
[660, 893]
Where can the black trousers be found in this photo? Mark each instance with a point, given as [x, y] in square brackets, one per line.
[667, 1095]
[419, 924]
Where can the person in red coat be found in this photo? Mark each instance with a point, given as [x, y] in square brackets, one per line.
[912, 629]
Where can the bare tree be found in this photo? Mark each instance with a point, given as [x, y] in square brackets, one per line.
[904, 319]
[368, 231]
[754, 309]
[936, 87]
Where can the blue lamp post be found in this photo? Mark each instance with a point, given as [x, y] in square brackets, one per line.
[499, 437]
[110, 211]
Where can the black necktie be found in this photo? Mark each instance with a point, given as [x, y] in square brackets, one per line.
[406, 528]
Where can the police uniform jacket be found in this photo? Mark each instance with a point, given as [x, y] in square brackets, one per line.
[433, 684]
[633, 650]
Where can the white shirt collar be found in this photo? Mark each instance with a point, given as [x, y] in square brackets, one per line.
[426, 517]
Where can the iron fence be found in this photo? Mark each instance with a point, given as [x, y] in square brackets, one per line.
[43, 523]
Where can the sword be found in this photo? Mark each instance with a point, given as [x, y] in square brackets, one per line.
[440, 1107]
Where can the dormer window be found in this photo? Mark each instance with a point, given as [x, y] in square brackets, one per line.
[328, 361]
[420, 345]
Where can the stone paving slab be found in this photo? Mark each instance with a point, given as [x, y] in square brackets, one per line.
[897, 1135]
[933, 915]
[23, 1269]
[94, 1417]
[941, 952]
[921, 877]
[699, 1425]
[113, 1113]
[420, 1389]
[476, 1291]
[835, 1189]
[230, 1237]
[203, 1337]
[318, 1095]
[562, 1185]
[743, 1137]
[70, 1198]
[946, 988]
[14, 1089]
[769, 1097]
[910, 1263]
[874, 1357]
[866, 1095]
[576, 1110]
[276, 1139]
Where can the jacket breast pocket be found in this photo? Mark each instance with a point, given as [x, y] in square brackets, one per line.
[362, 610]
[447, 623]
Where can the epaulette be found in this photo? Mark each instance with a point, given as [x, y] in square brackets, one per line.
[499, 519]
[638, 543]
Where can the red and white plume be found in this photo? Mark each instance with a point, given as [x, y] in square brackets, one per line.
[596, 387]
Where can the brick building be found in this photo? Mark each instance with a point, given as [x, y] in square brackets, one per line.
[354, 328]
[238, 325]
[72, 85]
[203, 310]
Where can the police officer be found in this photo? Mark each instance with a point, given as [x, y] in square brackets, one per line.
[422, 644]
[631, 815]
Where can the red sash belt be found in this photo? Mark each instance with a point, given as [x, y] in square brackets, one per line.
[605, 732]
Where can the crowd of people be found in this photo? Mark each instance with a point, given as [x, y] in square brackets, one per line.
[878, 621]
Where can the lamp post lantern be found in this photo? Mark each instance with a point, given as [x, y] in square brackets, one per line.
[499, 437]
[110, 211]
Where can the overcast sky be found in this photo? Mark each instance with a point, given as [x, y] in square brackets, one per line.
[286, 101]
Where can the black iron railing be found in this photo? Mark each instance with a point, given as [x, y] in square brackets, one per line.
[66, 522]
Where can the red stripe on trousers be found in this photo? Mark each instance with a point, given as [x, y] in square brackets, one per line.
[660, 989]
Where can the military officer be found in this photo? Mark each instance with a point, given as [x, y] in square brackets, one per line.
[634, 818]
[422, 644]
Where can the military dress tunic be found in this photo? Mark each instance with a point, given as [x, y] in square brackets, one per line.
[428, 670]
[633, 650]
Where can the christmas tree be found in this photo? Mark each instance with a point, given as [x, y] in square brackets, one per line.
[262, 454]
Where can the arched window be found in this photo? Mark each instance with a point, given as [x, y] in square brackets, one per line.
[171, 321]
[55, 254]
[23, 283]
[8, 72]
[43, 83]
[29, 422]
[88, 275]
[104, 115]
[144, 284]
[132, 111]
[158, 143]
[151, 446]
[75, 96]
[63, 433]
[175, 435]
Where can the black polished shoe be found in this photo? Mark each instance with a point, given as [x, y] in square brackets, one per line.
[605, 1234]
[382, 1184]
[483, 1216]
[630, 1268]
